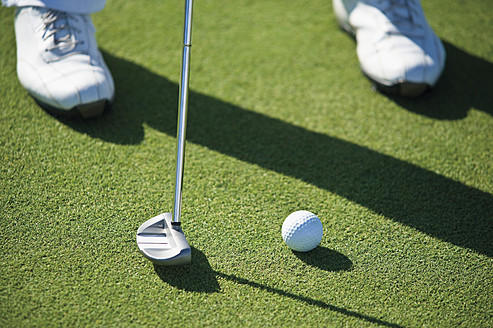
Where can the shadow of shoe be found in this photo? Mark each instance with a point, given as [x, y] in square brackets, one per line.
[465, 84]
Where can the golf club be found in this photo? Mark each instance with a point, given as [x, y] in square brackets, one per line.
[161, 238]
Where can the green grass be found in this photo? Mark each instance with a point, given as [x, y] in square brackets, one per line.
[280, 119]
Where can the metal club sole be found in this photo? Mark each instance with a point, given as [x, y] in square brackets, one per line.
[163, 242]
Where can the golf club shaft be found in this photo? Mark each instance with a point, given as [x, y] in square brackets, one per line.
[182, 110]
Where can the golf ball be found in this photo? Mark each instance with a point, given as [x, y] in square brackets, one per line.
[302, 231]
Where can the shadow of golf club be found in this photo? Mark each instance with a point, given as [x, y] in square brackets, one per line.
[325, 259]
[197, 276]
[306, 300]
[419, 198]
[200, 277]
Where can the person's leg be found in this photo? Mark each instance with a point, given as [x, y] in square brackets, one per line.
[58, 61]
[71, 6]
[396, 47]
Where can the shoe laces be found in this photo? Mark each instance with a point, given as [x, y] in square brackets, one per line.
[57, 24]
[405, 15]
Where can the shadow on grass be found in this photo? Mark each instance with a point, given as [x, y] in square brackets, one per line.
[406, 193]
[200, 277]
[466, 83]
[195, 277]
[326, 259]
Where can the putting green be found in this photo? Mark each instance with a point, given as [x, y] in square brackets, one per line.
[281, 119]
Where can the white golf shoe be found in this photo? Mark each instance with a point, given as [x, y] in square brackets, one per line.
[59, 64]
[396, 46]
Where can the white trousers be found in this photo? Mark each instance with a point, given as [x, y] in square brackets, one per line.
[72, 6]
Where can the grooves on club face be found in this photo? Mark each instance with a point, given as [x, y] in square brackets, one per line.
[163, 243]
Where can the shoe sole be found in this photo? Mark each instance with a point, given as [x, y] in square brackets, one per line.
[84, 111]
[404, 89]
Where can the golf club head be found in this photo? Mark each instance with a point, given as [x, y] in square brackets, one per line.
[163, 243]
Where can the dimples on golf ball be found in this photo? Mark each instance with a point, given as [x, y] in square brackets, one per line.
[302, 231]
